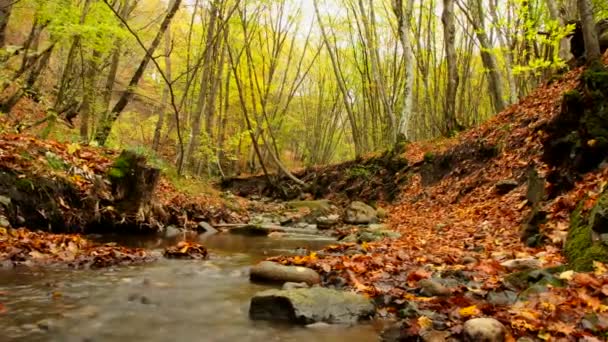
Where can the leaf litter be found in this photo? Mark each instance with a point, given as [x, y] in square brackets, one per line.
[461, 217]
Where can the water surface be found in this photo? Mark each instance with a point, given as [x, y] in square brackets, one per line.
[169, 300]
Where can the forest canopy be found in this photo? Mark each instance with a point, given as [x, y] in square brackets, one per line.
[216, 87]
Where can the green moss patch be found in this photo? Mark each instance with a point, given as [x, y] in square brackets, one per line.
[582, 248]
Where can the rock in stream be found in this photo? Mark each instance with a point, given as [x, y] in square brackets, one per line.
[272, 272]
[307, 306]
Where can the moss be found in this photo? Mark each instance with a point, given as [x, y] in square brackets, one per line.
[580, 249]
[359, 172]
[595, 78]
[122, 165]
[573, 97]
[543, 277]
[584, 263]
[429, 156]
[579, 236]
[24, 184]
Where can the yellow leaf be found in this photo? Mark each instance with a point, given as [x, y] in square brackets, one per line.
[313, 256]
[3, 231]
[184, 249]
[599, 268]
[592, 142]
[365, 246]
[568, 275]
[545, 336]
[469, 311]
[425, 322]
[72, 148]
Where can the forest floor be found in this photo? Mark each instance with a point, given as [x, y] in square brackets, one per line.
[459, 205]
[461, 229]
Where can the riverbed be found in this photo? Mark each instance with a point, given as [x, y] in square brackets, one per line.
[167, 300]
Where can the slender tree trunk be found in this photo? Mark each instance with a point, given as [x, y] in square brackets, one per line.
[374, 62]
[165, 97]
[487, 57]
[342, 85]
[87, 109]
[449, 33]
[206, 77]
[592, 44]
[403, 28]
[507, 53]
[104, 130]
[244, 110]
[108, 90]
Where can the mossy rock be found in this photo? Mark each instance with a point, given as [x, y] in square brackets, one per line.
[528, 278]
[581, 248]
[596, 78]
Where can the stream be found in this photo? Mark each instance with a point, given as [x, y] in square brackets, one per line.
[167, 300]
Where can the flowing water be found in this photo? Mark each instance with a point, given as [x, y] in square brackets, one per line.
[168, 300]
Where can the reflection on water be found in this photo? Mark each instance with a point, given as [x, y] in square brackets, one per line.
[168, 300]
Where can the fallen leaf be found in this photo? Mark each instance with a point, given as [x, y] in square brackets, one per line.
[469, 311]
[567, 275]
[425, 322]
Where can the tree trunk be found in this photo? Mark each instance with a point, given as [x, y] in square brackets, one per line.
[449, 33]
[564, 50]
[488, 58]
[104, 130]
[6, 7]
[88, 100]
[126, 8]
[206, 77]
[133, 184]
[592, 44]
[403, 27]
[165, 97]
[374, 62]
[346, 98]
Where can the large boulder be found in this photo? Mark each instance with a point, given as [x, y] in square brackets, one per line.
[307, 306]
[272, 272]
[483, 330]
[360, 213]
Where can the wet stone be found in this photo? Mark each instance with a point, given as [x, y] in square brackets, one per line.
[267, 271]
[360, 213]
[307, 306]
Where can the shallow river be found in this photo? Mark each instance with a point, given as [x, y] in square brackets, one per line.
[168, 300]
